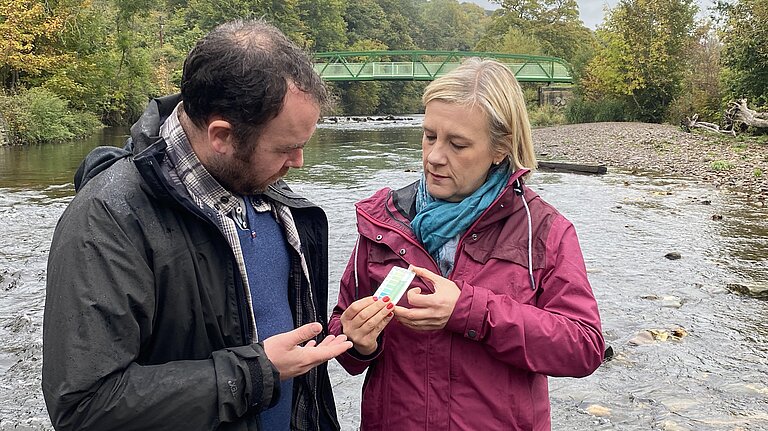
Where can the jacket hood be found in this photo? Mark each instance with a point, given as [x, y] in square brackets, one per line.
[146, 130]
[143, 134]
[97, 161]
[391, 207]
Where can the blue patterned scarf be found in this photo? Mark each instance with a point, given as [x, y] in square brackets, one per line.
[437, 221]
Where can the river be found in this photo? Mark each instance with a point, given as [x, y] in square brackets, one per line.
[688, 354]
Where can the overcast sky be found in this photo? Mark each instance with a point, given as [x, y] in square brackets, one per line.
[591, 11]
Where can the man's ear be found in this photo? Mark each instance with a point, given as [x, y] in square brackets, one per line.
[220, 136]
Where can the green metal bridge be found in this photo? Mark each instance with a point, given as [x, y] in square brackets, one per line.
[428, 65]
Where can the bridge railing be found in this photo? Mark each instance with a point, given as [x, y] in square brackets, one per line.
[428, 65]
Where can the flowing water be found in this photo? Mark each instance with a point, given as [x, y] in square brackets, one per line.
[687, 353]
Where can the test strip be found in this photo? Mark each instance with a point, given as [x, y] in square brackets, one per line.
[395, 284]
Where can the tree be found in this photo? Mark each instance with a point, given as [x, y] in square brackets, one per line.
[361, 97]
[643, 56]
[325, 24]
[404, 23]
[207, 14]
[450, 26]
[703, 88]
[553, 25]
[27, 31]
[516, 41]
[745, 53]
[366, 21]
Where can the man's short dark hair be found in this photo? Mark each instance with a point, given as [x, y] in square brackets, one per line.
[241, 71]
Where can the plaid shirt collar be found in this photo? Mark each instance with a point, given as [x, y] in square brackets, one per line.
[202, 187]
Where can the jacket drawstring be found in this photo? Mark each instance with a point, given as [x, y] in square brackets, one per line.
[519, 191]
[357, 292]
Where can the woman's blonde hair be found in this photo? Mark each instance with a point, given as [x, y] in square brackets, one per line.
[491, 86]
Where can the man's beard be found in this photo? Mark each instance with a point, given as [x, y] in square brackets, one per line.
[235, 174]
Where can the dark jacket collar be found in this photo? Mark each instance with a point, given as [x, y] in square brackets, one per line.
[404, 200]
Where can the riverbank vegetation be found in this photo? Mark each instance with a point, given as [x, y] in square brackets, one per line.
[65, 62]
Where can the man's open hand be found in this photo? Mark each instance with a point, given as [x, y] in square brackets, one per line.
[291, 359]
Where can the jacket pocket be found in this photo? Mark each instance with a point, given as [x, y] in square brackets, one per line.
[507, 252]
[381, 254]
[503, 271]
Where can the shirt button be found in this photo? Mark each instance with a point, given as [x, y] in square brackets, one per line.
[472, 334]
[402, 252]
[224, 199]
[474, 237]
[378, 237]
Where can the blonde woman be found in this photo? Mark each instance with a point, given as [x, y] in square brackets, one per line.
[501, 298]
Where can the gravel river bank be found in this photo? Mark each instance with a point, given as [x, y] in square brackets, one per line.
[739, 163]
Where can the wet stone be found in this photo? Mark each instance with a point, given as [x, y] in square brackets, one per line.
[598, 410]
[753, 290]
[20, 323]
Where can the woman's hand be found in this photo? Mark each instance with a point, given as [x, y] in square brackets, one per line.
[429, 312]
[363, 321]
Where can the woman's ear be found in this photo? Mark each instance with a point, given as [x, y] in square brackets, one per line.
[220, 137]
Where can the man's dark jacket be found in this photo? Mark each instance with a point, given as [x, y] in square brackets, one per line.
[145, 324]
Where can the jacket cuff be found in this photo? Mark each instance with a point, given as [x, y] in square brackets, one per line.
[468, 315]
[367, 358]
[356, 363]
[245, 380]
[265, 379]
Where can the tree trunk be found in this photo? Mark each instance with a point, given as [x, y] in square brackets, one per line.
[739, 114]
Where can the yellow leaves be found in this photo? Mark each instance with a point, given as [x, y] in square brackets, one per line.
[27, 24]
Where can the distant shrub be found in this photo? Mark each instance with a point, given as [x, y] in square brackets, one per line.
[39, 116]
[546, 115]
[580, 110]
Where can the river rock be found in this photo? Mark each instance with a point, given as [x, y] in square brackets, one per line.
[673, 255]
[671, 302]
[667, 301]
[673, 426]
[20, 323]
[650, 336]
[598, 410]
[753, 290]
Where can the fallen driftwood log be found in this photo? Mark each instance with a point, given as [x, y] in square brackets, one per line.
[574, 167]
[689, 123]
[739, 114]
[738, 117]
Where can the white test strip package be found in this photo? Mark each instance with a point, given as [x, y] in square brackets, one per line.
[395, 284]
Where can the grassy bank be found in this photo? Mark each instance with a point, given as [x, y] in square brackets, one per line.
[38, 116]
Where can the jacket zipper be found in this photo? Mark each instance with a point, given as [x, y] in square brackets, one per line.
[205, 217]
